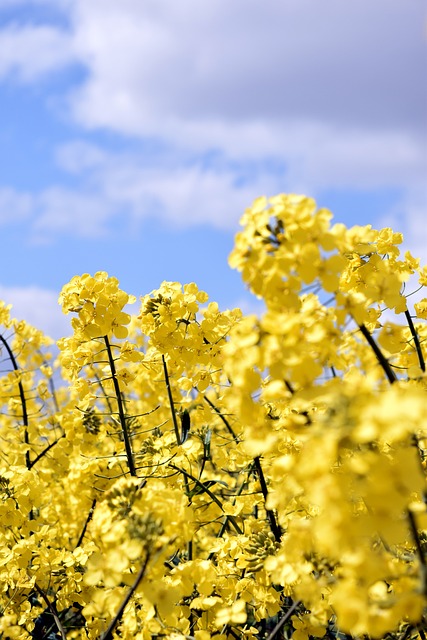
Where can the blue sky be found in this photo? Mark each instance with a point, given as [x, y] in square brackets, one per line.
[133, 134]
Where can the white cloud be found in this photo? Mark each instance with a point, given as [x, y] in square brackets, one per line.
[184, 191]
[334, 90]
[29, 52]
[64, 211]
[18, 3]
[39, 307]
[409, 217]
[256, 79]
[159, 63]
[356, 159]
[235, 74]
[14, 206]
[126, 186]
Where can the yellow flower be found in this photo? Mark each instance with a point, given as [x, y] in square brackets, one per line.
[421, 309]
[236, 614]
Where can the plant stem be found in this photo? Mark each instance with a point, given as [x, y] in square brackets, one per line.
[101, 386]
[44, 452]
[380, 356]
[282, 621]
[416, 340]
[420, 552]
[225, 421]
[114, 622]
[274, 525]
[85, 526]
[23, 401]
[226, 518]
[172, 406]
[122, 417]
[51, 606]
[51, 384]
[210, 494]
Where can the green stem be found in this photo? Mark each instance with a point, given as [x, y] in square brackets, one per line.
[101, 386]
[115, 621]
[420, 552]
[274, 525]
[282, 621]
[51, 384]
[52, 608]
[416, 340]
[23, 401]
[85, 526]
[380, 356]
[225, 421]
[122, 417]
[44, 452]
[171, 403]
[210, 494]
[226, 518]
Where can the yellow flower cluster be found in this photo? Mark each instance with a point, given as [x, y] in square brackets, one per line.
[99, 303]
[192, 473]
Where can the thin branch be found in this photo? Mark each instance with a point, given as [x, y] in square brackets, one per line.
[51, 606]
[101, 386]
[51, 383]
[416, 340]
[282, 621]
[122, 417]
[226, 518]
[420, 552]
[171, 403]
[225, 421]
[274, 525]
[206, 490]
[379, 355]
[85, 526]
[45, 451]
[23, 401]
[115, 621]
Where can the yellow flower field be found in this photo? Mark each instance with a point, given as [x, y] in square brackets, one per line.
[195, 473]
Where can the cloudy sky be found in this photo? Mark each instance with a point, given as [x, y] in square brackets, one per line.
[133, 134]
